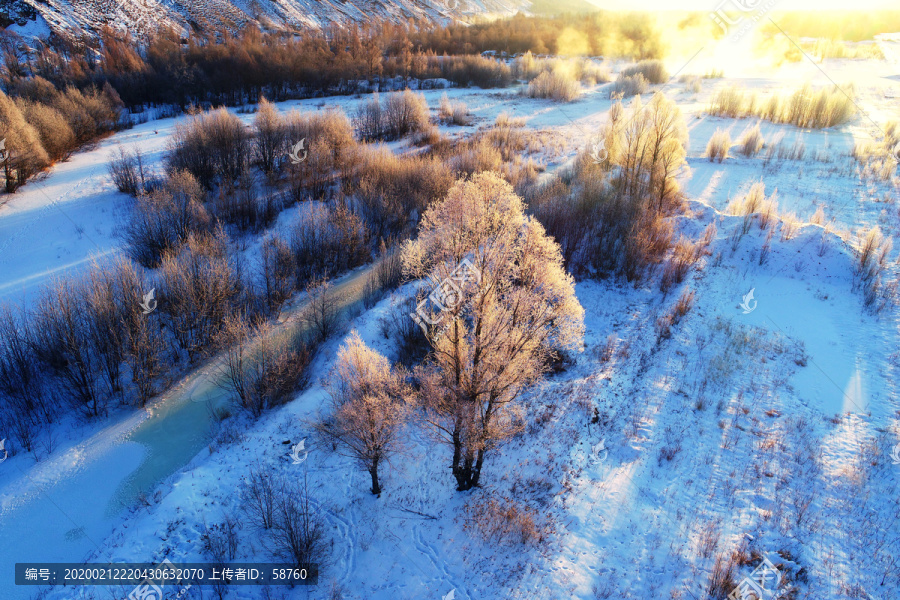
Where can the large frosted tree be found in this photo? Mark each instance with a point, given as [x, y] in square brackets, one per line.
[507, 308]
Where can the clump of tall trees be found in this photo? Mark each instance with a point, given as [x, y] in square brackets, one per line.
[610, 215]
[42, 124]
[512, 315]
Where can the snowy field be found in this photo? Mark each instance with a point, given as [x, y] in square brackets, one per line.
[768, 430]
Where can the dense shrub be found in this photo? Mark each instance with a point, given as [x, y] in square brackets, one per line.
[43, 124]
[241, 204]
[399, 115]
[628, 85]
[472, 70]
[325, 240]
[276, 271]
[91, 112]
[612, 222]
[312, 178]
[584, 70]
[556, 86]
[129, 174]
[25, 154]
[211, 146]
[24, 398]
[262, 369]
[390, 190]
[270, 143]
[330, 127]
[84, 331]
[54, 130]
[477, 157]
[652, 70]
[162, 220]
[199, 290]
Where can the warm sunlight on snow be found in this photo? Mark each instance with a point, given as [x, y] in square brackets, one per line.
[449, 300]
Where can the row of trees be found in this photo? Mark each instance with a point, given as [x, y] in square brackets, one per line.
[216, 66]
[42, 125]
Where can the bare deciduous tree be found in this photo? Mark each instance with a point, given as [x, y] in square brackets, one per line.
[369, 405]
[298, 533]
[504, 326]
[648, 146]
[277, 271]
[321, 313]
[199, 287]
[270, 142]
[261, 368]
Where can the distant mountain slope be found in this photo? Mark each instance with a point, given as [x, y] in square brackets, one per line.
[139, 16]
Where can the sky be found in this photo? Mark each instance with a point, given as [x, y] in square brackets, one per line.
[714, 4]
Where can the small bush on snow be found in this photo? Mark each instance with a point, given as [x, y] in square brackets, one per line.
[719, 143]
[500, 520]
[629, 85]
[454, 112]
[751, 142]
[556, 86]
[871, 263]
[652, 70]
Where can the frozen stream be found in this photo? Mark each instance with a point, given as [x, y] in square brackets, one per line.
[63, 508]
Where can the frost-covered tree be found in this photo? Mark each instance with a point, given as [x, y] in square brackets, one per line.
[369, 407]
[270, 141]
[501, 326]
[647, 144]
[23, 153]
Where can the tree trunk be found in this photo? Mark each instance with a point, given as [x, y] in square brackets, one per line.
[468, 473]
[376, 487]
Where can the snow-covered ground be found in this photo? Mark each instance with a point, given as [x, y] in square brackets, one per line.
[770, 429]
